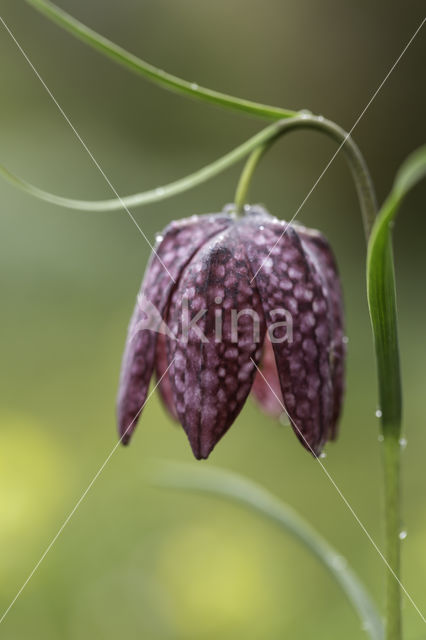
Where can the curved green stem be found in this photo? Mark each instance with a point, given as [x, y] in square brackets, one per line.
[169, 81]
[153, 195]
[158, 76]
[256, 144]
[247, 175]
[359, 169]
[243, 491]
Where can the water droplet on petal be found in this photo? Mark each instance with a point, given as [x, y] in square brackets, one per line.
[261, 227]
[402, 443]
[378, 413]
[402, 535]
[159, 238]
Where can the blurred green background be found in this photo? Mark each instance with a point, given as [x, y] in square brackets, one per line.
[140, 562]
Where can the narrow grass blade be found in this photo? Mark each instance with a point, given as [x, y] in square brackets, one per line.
[221, 483]
[160, 77]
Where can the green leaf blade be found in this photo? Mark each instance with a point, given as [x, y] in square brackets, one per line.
[381, 291]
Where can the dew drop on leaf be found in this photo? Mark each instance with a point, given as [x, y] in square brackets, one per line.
[402, 443]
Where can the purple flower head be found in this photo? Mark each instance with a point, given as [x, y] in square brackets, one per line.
[232, 304]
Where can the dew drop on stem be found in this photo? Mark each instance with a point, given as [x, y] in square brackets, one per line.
[305, 113]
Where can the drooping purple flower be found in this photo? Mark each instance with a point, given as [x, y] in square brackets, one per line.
[239, 303]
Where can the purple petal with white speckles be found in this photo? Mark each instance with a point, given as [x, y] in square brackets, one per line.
[163, 377]
[327, 266]
[179, 243]
[286, 279]
[211, 379]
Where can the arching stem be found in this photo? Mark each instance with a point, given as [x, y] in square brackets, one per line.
[357, 164]
[257, 144]
[243, 186]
